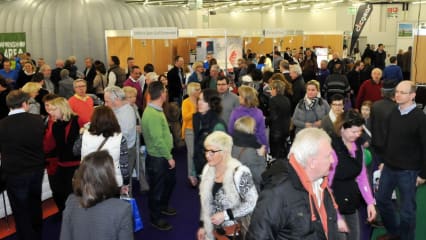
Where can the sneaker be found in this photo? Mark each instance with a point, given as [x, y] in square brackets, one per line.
[169, 211]
[161, 225]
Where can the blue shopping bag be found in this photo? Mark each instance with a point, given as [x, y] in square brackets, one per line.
[137, 219]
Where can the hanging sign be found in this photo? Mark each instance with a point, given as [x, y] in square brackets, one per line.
[155, 33]
[12, 44]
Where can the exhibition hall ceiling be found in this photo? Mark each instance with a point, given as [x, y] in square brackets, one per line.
[262, 5]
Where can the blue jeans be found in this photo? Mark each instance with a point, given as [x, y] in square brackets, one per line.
[405, 181]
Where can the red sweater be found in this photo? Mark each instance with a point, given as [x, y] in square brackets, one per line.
[369, 90]
[84, 109]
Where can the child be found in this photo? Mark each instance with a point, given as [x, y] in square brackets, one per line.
[246, 148]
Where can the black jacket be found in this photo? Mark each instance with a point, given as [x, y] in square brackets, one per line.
[299, 91]
[175, 83]
[379, 117]
[279, 117]
[90, 76]
[283, 212]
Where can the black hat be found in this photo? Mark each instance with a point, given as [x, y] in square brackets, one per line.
[389, 85]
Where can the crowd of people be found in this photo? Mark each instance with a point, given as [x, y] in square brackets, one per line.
[277, 148]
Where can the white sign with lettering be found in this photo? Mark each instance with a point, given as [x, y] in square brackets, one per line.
[155, 33]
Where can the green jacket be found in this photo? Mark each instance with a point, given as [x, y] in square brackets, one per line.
[156, 133]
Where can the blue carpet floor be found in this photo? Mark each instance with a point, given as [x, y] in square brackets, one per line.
[185, 199]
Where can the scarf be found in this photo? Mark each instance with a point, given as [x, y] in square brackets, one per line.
[308, 185]
[310, 103]
[242, 139]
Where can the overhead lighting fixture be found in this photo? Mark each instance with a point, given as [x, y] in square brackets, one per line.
[305, 6]
[318, 5]
[292, 8]
[337, 1]
[327, 8]
[291, 1]
[420, 2]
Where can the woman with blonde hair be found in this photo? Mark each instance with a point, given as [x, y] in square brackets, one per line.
[197, 74]
[32, 89]
[65, 131]
[248, 107]
[227, 191]
[247, 149]
[311, 109]
[189, 108]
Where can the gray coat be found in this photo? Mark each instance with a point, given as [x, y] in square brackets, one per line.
[110, 219]
[302, 116]
[66, 88]
[248, 157]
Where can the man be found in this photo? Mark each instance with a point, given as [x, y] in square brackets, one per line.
[322, 75]
[134, 80]
[379, 116]
[8, 73]
[295, 202]
[130, 64]
[81, 103]
[176, 79]
[337, 105]
[211, 80]
[47, 82]
[116, 100]
[277, 59]
[380, 57]
[21, 148]
[56, 73]
[160, 165]
[336, 83]
[334, 61]
[404, 164]
[406, 64]
[40, 63]
[89, 74]
[229, 99]
[285, 69]
[392, 72]
[39, 78]
[116, 75]
[241, 70]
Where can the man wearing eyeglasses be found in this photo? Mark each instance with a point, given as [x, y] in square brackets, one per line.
[404, 164]
[81, 103]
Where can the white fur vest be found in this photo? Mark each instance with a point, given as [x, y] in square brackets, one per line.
[235, 175]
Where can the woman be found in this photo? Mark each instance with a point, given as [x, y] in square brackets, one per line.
[149, 78]
[93, 211]
[227, 191]
[32, 88]
[309, 65]
[104, 133]
[204, 122]
[163, 79]
[100, 82]
[354, 78]
[65, 131]
[197, 74]
[189, 108]
[348, 176]
[25, 75]
[279, 119]
[311, 109]
[247, 149]
[248, 107]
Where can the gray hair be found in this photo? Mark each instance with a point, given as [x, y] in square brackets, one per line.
[116, 93]
[296, 68]
[306, 144]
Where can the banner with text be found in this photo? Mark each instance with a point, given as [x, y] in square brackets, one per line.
[362, 16]
[12, 44]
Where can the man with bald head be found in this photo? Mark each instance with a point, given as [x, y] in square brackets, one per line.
[404, 164]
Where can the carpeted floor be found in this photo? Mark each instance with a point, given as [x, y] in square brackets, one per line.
[185, 199]
[185, 223]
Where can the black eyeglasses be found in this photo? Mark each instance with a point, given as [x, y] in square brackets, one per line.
[211, 152]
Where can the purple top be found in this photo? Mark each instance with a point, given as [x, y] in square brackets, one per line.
[362, 179]
[255, 113]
